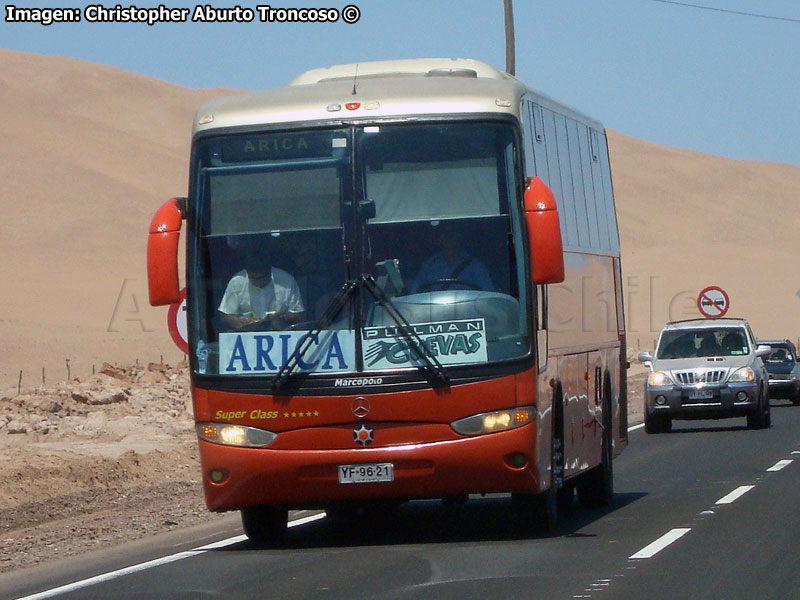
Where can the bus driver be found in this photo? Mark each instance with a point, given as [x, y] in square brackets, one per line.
[452, 267]
[261, 292]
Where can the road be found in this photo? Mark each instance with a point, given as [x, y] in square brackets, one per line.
[708, 511]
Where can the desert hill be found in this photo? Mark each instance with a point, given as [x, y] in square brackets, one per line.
[90, 151]
[689, 220]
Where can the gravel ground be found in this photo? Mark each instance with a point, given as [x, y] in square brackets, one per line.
[86, 465]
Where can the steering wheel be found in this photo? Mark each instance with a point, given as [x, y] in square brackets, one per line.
[262, 325]
[448, 283]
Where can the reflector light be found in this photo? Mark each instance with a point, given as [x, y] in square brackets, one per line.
[522, 415]
[352, 105]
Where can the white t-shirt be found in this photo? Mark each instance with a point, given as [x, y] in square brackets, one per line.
[244, 299]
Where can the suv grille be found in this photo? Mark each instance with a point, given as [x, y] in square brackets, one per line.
[690, 377]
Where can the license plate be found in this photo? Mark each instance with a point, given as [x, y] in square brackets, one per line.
[366, 473]
[701, 395]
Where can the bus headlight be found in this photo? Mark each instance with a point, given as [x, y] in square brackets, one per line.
[743, 374]
[498, 420]
[228, 434]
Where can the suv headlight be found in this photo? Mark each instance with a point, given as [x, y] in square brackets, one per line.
[498, 420]
[742, 374]
[228, 434]
[658, 379]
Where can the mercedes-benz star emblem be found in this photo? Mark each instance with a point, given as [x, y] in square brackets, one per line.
[363, 435]
[360, 407]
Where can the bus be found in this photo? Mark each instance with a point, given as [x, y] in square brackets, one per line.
[403, 282]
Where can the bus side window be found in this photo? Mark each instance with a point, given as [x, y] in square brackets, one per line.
[541, 326]
[527, 135]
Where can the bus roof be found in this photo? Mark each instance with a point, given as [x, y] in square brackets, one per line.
[383, 89]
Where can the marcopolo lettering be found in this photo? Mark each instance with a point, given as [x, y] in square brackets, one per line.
[359, 381]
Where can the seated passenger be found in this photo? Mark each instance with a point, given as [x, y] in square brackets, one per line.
[709, 345]
[452, 268]
[261, 292]
[732, 343]
[778, 355]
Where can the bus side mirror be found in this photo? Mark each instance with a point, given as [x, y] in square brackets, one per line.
[162, 253]
[544, 233]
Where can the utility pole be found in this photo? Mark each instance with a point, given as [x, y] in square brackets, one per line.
[509, 12]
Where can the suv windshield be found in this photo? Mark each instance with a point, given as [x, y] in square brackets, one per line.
[780, 355]
[697, 343]
[428, 213]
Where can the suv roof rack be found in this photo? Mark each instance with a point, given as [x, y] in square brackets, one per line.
[704, 320]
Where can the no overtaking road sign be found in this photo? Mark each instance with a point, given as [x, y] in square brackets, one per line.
[713, 302]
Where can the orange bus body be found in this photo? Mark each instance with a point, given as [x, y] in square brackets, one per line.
[573, 381]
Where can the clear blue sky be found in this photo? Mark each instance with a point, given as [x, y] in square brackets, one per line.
[708, 80]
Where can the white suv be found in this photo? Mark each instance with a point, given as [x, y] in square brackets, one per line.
[706, 369]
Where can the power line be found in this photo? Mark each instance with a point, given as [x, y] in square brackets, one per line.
[725, 10]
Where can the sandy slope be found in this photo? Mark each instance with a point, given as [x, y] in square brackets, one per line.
[89, 154]
[689, 220]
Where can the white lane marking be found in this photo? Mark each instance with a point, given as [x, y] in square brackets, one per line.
[305, 520]
[635, 427]
[70, 587]
[665, 540]
[735, 494]
[109, 576]
[780, 465]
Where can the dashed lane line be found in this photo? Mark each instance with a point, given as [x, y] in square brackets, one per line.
[779, 465]
[657, 546]
[735, 494]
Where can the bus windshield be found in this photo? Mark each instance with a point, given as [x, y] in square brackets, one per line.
[428, 213]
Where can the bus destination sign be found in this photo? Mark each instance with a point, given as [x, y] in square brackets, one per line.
[279, 146]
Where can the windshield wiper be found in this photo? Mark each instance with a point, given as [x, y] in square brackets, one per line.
[431, 363]
[331, 311]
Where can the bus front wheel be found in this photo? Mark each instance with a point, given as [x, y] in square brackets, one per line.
[264, 524]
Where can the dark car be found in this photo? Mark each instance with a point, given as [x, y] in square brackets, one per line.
[783, 370]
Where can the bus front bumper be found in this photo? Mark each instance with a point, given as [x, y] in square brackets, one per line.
[235, 477]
